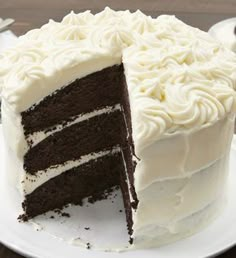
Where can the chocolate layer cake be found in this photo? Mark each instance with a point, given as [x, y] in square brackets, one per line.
[126, 100]
[104, 140]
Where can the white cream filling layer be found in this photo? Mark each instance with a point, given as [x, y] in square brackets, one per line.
[31, 182]
[127, 178]
[37, 137]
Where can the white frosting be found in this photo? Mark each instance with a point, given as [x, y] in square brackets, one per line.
[168, 178]
[168, 201]
[178, 76]
[181, 86]
[46, 78]
[188, 152]
[13, 130]
[225, 32]
[157, 235]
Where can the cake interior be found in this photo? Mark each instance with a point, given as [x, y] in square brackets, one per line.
[93, 115]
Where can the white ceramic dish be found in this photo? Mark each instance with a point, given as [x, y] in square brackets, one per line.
[220, 24]
[224, 31]
[49, 238]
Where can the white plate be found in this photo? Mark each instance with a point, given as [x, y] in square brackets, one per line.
[223, 31]
[48, 242]
[213, 29]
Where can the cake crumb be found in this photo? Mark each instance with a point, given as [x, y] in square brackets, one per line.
[120, 211]
[52, 217]
[88, 246]
[58, 211]
[23, 218]
[65, 214]
[62, 214]
[106, 195]
[87, 228]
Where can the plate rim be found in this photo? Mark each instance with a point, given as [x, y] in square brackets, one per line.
[214, 26]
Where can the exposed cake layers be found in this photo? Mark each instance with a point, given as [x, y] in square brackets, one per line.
[75, 184]
[161, 123]
[79, 97]
[157, 160]
[36, 137]
[32, 182]
[93, 134]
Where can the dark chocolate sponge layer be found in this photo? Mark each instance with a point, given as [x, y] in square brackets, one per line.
[82, 96]
[93, 135]
[72, 186]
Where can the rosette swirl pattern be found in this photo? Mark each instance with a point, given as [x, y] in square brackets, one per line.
[111, 38]
[29, 53]
[153, 121]
[192, 105]
[84, 18]
[19, 78]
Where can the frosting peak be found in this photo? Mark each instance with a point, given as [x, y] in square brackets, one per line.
[112, 39]
[77, 19]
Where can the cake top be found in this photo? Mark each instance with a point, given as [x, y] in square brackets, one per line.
[178, 77]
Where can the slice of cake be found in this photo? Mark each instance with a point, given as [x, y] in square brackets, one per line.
[121, 99]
